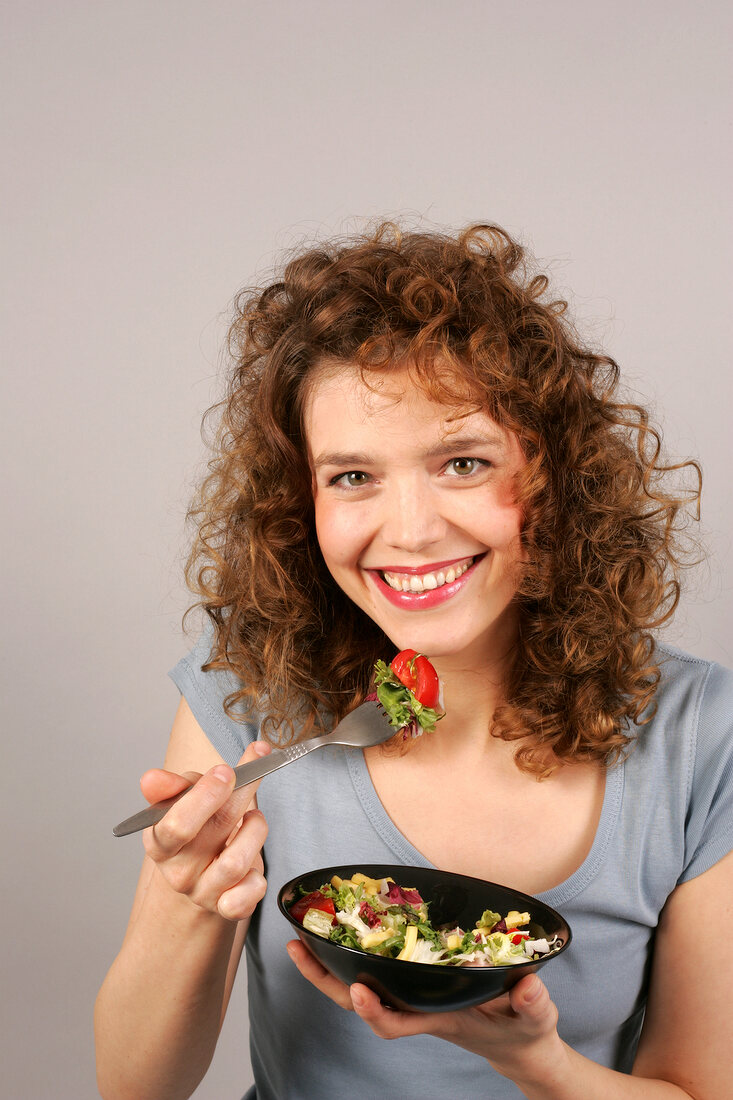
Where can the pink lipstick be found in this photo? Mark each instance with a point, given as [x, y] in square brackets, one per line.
[431, 597]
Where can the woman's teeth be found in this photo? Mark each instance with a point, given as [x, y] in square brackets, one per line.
[424, 582]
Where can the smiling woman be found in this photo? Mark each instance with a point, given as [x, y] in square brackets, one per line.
[417, 453]
[403, 336]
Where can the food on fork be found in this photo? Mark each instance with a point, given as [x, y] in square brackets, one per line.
[409, 691]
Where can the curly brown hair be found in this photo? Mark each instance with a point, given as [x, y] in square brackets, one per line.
[603, 514]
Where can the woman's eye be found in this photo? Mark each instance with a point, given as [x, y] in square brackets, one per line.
[354, 479]
[463, 467]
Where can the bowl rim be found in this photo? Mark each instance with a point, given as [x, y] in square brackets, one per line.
[334, 868]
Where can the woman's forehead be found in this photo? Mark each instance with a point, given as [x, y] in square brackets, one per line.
[442, 387]
[343, 401]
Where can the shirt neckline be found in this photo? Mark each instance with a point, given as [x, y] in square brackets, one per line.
[406, 852]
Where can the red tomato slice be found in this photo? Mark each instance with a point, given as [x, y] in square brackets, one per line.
[315, 900]
[418, 675]
[402, 670]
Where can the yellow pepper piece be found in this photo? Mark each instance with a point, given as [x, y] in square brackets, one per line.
[374, 938]
[514, 919]
[410, 941]
[371, 885]
[336, 882]
[453, 942]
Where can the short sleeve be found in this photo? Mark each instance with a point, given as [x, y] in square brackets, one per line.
[709, 823]
[205, 693]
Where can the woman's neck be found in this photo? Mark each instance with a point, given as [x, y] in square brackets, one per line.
[470, 696]
[474, 682]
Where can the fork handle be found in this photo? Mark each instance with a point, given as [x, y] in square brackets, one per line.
[243, 774]
[278, 758]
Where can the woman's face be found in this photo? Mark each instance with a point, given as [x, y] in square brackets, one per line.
[415, 514]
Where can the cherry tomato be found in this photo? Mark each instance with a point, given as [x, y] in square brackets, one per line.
[315, 900]
[418, 675]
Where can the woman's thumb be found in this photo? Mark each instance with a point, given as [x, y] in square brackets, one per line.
[529, 997]
[157, 784]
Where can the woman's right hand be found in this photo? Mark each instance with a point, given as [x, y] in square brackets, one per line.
[208, 845]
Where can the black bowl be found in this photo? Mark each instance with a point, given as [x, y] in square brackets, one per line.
[454, 900]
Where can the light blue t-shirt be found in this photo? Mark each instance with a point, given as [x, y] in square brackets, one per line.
[667, 816]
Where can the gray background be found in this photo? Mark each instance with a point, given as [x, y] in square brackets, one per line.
[157, 156]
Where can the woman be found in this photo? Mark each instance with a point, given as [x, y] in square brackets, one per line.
[415, 451]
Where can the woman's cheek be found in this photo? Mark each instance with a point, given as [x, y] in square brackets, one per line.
[506, 524]
[339, 535]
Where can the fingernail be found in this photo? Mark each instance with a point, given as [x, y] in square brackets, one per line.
[222, 773]
[261, 748]
[290, 950]
[357, 998]
[226, 909]
[534, 991]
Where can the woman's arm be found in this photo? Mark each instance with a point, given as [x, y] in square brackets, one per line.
[688, 1027]
[160, 1009]
[687, 1034]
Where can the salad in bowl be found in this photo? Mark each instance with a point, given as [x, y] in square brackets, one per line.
[383, 918]
[423, 939]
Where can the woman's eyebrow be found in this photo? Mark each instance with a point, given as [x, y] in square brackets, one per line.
[452, 444]
[341, 458]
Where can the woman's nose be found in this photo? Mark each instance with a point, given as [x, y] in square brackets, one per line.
[412, 518]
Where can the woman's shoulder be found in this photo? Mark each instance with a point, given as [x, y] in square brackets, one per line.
[692, 709]
[690, 743]
[677, 658]
[690, 685]
[205, 691]
[683, 747]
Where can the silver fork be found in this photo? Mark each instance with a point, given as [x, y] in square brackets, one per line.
[366, 726]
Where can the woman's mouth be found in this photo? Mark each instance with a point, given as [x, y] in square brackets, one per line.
[421, 590]
[425, 582]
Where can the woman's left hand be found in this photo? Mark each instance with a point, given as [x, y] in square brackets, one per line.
[516, 1033]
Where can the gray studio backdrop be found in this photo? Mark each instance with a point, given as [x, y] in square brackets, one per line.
[157, 156]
